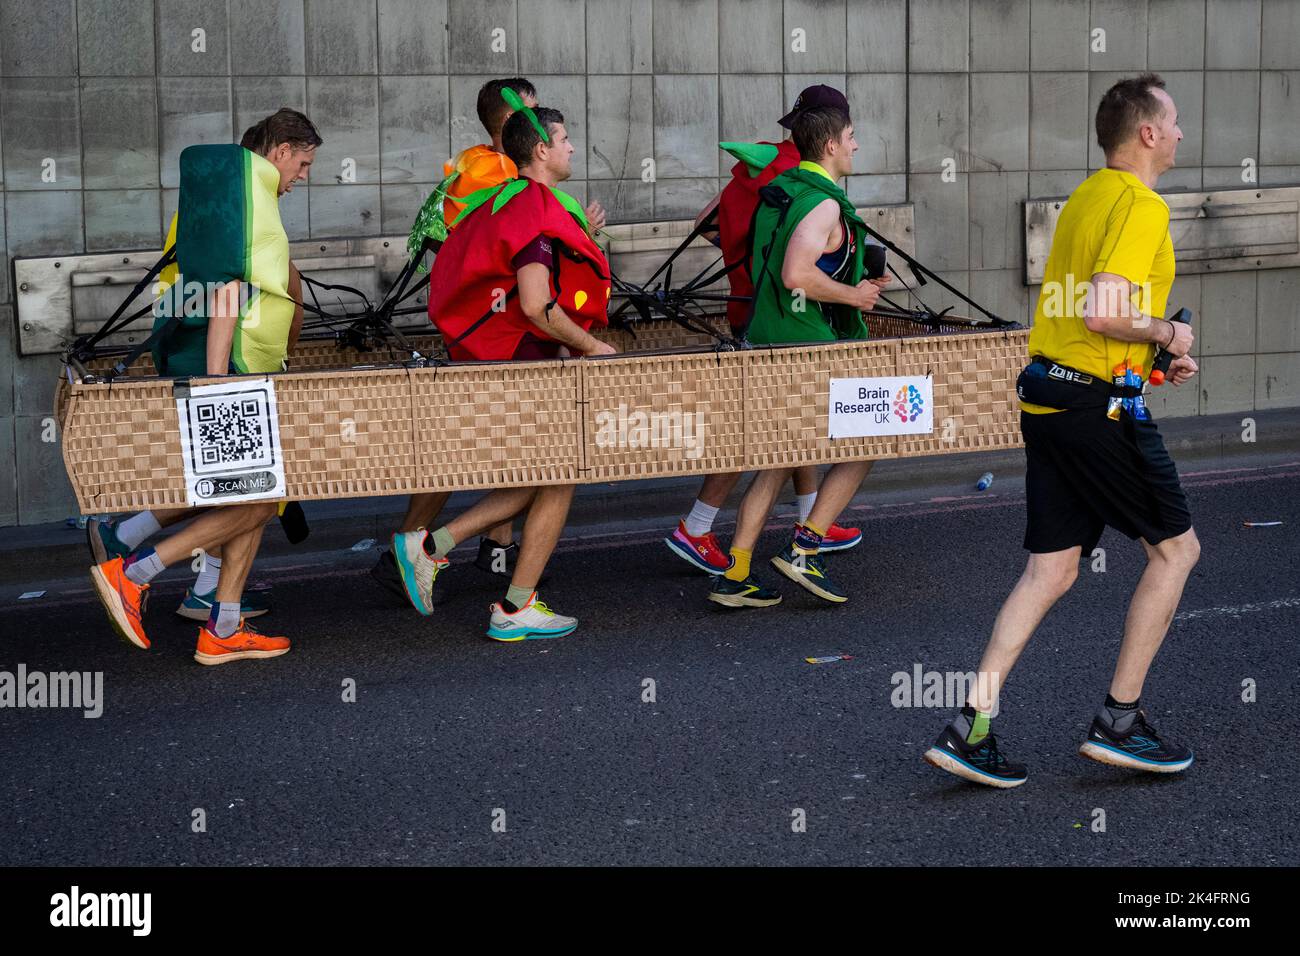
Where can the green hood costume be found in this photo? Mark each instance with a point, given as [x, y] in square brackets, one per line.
[778, 317]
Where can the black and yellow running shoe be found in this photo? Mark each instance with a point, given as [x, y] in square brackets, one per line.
[809, 571]
[747, 593]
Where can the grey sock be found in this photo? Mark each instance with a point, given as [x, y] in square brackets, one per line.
[1117, 716]
[227, 618]
[145, 569]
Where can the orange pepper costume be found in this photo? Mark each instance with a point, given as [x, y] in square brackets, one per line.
[473, 289]
[478, 167]
[759, 164]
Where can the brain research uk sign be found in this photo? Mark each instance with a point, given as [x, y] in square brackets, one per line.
[894, 405]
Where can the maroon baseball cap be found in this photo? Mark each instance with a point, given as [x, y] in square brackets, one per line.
[813, 97]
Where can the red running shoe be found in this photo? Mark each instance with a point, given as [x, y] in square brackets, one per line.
[704, 552]
[838, 539]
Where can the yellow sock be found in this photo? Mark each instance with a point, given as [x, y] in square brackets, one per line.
[739, 564]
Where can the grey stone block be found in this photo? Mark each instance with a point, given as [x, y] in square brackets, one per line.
[686, 36]
[4, 289]
[8, 475]
[1125, 23]
[1281, 25]
[939, 205]
[877, 190]
[821, 45]
[1232, 34]
[44, 223]
[1175, 34]
[295, 212]
[1058, 35]
[413, 141]
[999, 122]
[1227, 383]
[1186, 294]
[1045, 184]
[935, 295]
[1279, 311]
[620, 36]
[553, 37]
[1222, 177]
[44, 493]
[997, 220]
[266, 38]
[1277, 380]
[193, 110]
[1279, 118]
[1175, 401]
[625, 200]
[477, 31]
[1227, 321]
[1188, 93]
[344, 211]
[346, 111]
[8, 360]
[568, 94]
[620, 134]
[999, 35]
[122, 219]
[1001, 291]
[1060, 120]
[399, 204]
[1231, 117]
[40, 123]
[752, 37]
[878, 101]
[751, 106]
[1181, 179]
[119, 132]
[257, 97]
[939, 36]
[683, 198]
[38, 39]
[686, 127]
[192, 38]
[412, 37]
[877, 41]
[341, 37]
[115, 37]
[1279, 175]
[937, 117]
[577, 188]
[170, 200]
[35, 378]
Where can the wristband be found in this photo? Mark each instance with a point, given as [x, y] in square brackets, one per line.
[1172, 332]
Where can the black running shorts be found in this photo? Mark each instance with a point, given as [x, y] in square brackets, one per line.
[1084, 471]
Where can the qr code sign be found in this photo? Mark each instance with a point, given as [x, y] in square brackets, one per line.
[231, 432]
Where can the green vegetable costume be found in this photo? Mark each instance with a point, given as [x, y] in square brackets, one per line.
[227, 227]
[780, 317]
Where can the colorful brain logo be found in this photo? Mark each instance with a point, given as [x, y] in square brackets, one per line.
[908, 403]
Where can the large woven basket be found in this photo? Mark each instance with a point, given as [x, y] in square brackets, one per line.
[387, 429]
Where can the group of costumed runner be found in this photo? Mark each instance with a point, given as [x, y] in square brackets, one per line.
[517, 275]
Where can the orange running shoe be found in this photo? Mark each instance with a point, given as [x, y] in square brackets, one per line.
[123, 599]
[244, 643]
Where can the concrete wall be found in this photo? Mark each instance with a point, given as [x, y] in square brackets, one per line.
[112, 90]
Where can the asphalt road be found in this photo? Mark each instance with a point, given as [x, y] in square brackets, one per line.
[448, 728]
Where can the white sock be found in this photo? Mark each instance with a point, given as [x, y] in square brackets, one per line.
[209, 571]
[137, 529]
[806, 503]
[700, 520]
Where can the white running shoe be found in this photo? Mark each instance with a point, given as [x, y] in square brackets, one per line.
[417, 568]
[533, 621]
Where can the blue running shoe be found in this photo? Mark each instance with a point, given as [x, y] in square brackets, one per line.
[196, 607]
[1139, 749]
[979, 763]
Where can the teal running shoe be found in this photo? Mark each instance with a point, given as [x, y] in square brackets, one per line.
[102, 539]
[198, 607]
[808, 571]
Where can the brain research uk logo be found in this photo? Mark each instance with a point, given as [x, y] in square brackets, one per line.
[908, 404]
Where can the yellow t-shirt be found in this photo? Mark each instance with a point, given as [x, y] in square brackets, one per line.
[1113, 222]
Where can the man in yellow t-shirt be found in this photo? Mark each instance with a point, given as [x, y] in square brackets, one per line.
[1092, 459]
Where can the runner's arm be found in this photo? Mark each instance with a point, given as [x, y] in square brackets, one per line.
[535, 294]
[222, 312]
[1110, 311]
[799, 270]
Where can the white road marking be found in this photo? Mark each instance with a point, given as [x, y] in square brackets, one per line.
[1240, 609]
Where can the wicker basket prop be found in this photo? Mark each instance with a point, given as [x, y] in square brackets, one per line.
[386, 429]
